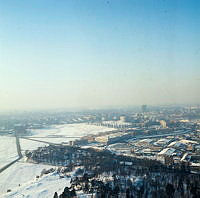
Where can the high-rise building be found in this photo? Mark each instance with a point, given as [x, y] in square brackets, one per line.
[163, 123]
[144, 108]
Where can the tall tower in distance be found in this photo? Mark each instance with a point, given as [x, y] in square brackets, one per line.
[144, 108]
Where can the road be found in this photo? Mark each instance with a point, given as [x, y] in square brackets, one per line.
[10, 164]
[161, 135]
[57, 136]
[16, 160]
[50, 143]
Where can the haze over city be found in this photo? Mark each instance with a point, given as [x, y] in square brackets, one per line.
[66, 54]
[99, 99]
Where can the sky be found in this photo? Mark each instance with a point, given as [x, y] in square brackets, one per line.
[98, 53]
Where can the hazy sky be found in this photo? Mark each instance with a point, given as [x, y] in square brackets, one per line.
[97, 53]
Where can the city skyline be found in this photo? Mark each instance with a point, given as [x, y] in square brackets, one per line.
[96, 54]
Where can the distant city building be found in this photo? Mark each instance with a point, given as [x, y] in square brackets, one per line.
[144, 108]
[71, 143]
[122, 118]
[163, 124]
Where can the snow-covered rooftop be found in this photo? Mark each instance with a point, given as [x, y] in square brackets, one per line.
[167, 151]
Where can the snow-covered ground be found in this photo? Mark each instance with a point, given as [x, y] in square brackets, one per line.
[29, 186]
[21, 180]
[20, 173]
[8, 151]
[24, 173]
[70, 130]
[73, 130]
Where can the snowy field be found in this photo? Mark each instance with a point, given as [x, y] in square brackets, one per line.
[24, 173]
[73, 130]
[8, 151]
[21, 179]
[70, 130]
[29, 186]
